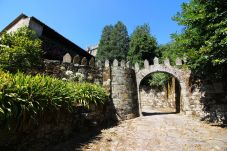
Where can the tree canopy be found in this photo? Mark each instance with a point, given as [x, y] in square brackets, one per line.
[105, 47]
[119, 41]
[142, 45]
[114, 42]
[204, 38]
[20, 50]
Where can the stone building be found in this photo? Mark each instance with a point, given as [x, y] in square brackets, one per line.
[54, 44]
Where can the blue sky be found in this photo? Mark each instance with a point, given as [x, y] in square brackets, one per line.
[82, 21]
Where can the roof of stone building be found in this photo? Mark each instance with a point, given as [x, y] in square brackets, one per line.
[50, 33]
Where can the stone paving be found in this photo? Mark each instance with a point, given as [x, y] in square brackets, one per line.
[160, 132]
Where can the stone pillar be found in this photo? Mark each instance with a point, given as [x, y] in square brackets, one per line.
[124, 91]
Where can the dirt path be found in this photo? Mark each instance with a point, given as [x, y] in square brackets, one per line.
[161, 132]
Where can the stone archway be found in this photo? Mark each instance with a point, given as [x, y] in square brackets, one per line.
[181, 75]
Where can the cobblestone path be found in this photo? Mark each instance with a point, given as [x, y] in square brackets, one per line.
[161, 132]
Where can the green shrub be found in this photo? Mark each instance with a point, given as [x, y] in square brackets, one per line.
[20, 50]
[87, 94]
[159, 80]
[26, 97]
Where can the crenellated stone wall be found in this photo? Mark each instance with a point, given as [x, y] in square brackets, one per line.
[205, 99]
[122, 81]
[182, 75]
[124, 90]
[118, 79]
[77, 72]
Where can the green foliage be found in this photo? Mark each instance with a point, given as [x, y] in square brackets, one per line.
[157, 81]
[105, 48]
[119, 42]
[88, 94]
[25, 97]
[204, 36]
[114, 43]
[169, 51]
[142, 45]
[20, 50]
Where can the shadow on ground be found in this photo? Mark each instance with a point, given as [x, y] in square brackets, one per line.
[157, 113]
[75, 142]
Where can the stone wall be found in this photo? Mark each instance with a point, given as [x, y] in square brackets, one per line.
[70, 71]
[53, 127]
[59, 125]
[208, 100]
[203, 99]
[124, 90]
[182, 75]
[118, 80]
[165, 100]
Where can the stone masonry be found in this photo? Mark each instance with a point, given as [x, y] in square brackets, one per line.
[122, 81]
[124, 91]
[165, 100]
[181, 75]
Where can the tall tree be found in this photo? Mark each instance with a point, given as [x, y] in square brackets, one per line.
[142, 45]
[105, 47]
[119, 42]
[204, 38]
[114, 42]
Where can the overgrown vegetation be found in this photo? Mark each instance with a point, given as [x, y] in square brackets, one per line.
[25, 97]
[20, 50]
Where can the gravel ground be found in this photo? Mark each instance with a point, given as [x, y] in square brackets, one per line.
[160, 132]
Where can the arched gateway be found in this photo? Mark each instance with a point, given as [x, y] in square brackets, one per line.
[122, 81]
[181, 75]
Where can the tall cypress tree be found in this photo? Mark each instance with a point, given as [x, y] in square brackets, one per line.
[119, 42]
[114, 42]
[105, 48]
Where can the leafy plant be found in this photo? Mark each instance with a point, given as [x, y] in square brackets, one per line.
[20, 50]
[204, 36]
[25, 97]
[88, 94]
[159, 80]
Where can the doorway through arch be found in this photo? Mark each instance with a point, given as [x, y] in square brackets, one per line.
[159, 94]
[180, 75]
